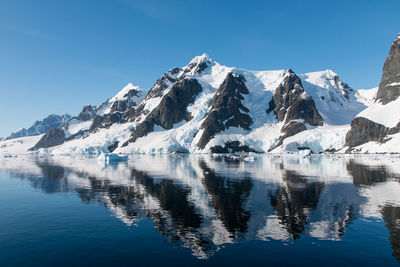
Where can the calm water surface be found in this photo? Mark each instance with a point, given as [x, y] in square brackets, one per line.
[200, 210]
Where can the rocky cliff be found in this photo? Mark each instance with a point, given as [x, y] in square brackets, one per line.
[382, 120]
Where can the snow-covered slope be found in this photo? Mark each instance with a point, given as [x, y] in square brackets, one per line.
[379, 125]
[367, 96]
[18, 146]
[387, 115]
[335, 100]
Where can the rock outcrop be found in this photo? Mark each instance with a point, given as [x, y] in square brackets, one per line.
[172, 108]
[226, 109]
[128, 101]
[54, 137]
[293, 106]
[106, 121]
[389, 88]
[87, 113]
[364, 130]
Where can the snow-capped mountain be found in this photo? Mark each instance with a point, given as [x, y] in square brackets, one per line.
[206, 107]
[42, 126]
[93, 118]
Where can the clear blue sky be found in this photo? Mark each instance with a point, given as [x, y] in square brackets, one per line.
[56, 56]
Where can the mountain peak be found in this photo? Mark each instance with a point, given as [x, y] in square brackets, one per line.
[197, 64]
[389, 88]
[200, 59]
[42, 126]
[330, 73]
[121, 94]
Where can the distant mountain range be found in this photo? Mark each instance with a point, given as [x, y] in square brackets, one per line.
[206, 107]
[42, 126]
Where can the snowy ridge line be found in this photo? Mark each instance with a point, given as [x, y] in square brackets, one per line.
[109, 127]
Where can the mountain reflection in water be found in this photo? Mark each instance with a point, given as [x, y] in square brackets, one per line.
[203, 202]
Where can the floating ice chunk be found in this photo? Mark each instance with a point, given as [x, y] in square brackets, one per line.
[110, 157]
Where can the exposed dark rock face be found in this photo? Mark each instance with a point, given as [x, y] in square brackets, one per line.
[394, 130]
[120, 106]
[87, 113]
[172, 108]
[112, 147]
[227, 109]
[126, 103]
[294, 106]
[177, 74]
[389, 88]
[106, 121]
[304, 109]
[290, 129]
[291, 101]
[54, 137]
[163, 82]
[167, 80]
[43, 126]
[135, 113]
[232, 147]
[198, 66]
[364, 130]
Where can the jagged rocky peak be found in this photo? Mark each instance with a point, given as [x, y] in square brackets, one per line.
[127, 98]
[171, 109]
[389, 88]
[119, 108]
[87, 113]
[128, 91]
[290, 88]
[226, 109]
[198, 64]
[291, 102]
[42, 126]
[333, 80]
[336, 90]
[364, 128]
[164, 82]
[293, 106]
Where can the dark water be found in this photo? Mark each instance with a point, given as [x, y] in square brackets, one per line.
[200, 210]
